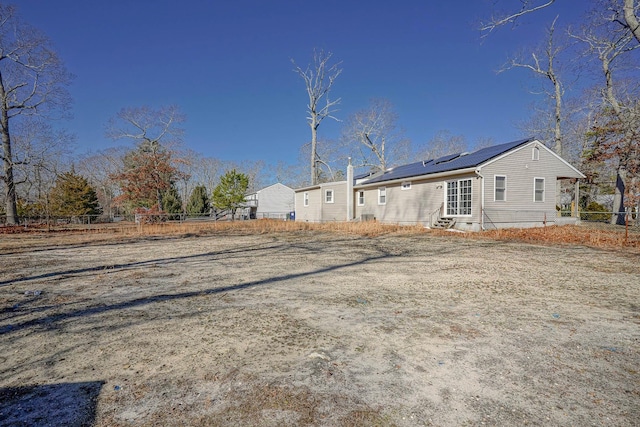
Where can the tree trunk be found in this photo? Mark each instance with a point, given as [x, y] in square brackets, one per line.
[618, 216]
[618, 197]
[10, 192]
[557, 134]
[632, 20]
[314, 149]
[557, 137]
[159, 199]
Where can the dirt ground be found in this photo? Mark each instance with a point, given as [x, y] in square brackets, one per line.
[316, 328]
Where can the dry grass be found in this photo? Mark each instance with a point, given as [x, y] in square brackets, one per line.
[453, 332]
[550, 235]
[266, 226]
[565, 235]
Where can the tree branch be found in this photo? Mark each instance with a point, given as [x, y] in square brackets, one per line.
[496, 22]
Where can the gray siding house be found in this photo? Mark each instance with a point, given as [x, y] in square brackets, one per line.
[507, 185]
[275, 201]
[322, 202]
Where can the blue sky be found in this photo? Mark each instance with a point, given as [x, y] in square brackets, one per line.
[226, 64]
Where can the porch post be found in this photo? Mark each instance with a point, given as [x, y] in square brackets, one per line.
[576, 199]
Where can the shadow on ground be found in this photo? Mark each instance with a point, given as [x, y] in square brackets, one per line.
[64, 404]
[53, 319]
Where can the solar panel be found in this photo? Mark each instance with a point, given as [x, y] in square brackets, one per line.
[446, 158]
[446, 163]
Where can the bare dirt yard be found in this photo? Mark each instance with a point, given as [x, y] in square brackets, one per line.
[316, 328]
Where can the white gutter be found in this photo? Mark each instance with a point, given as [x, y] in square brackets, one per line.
[315, 187]
[481, 198]
[417, 177]
[311, 187]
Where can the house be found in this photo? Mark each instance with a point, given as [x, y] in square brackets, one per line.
[507, 185]
[275, 201]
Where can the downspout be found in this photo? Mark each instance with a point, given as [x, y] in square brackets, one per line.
[576, 200]
[349, 191]
[481, 198]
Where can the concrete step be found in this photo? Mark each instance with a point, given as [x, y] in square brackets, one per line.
[444, 223]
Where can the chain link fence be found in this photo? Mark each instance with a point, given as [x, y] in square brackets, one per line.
[77, 221]
[629, 222]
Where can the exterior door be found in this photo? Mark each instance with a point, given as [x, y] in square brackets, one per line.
[459, 198]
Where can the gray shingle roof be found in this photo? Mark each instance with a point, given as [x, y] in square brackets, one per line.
[447, 163]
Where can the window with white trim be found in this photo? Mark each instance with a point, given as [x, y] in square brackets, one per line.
[535, 153]
[361, 198]
[328, 196]
[500, 188]
[305, 197]
[406, 185]
[538, 189]
[382, 195]
[459, 197]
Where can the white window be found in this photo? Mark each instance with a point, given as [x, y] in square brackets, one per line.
[406, 185]
[500, 187]
[305, 197]
[361, 198]
[538, 189]
[459, 197]
[328, 196]
[382, 196]
[535, 154]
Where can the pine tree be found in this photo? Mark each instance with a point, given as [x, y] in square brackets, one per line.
[199, 201]
[73, 196]
[230, 193]
[172, 202]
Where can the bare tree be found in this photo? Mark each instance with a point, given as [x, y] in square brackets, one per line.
[208, 171]
[611, 45]
[443, 143]
[197, 170]
[499, 19]
[319, 78]
[543, 64]
[624, 12]
[40, 153]
[540, 124]
[33, 81]
[99, 168]
[148, 127]
[331, 160]
[483, 142]
[291, 175]
[374, 135]
[630, 10]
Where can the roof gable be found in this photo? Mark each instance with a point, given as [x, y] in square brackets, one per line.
[571, 172]
[273, 186]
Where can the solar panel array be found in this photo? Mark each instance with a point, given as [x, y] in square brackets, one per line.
[447, 163]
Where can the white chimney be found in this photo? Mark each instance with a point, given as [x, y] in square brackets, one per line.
[349, 191]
